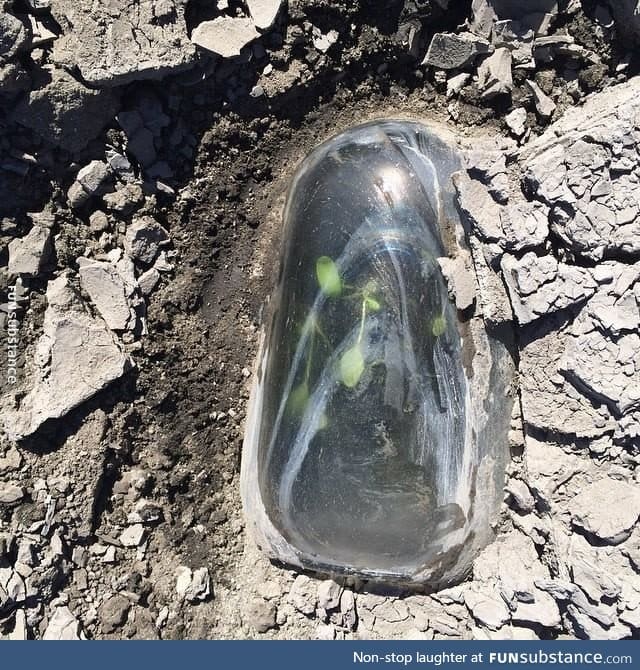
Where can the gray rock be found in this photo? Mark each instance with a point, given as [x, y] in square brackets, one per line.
[540, 285]
[263, 12]
[549, 401]
[225, 36]
[544, 104]
[259, 614]
[98, 222]
[448, 51]
[132, 536]
[593, 512]
[148, 280]
[521, 495]
[329, 594]
[456, 83]
[92, 177]
[494, 74]
[10, 494]
[12, 35]
[524, 225]
[143, 239]
[77, 357]
[460, 279]
[304, 595]
[118, 42]
[29, 254]
[62, 626]
[607, 368]
[108, 292]
[125, 199]
[113, 613]
[516, 121]
[194, 586]
[64, 112]
[487, 607]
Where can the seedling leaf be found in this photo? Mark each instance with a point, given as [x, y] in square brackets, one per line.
[351, 366]
[438, 326]
[298, 399]
[328, 276]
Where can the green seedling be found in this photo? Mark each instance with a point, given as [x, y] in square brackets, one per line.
[328, 277]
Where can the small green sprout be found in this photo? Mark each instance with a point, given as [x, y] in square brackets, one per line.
[328, 276]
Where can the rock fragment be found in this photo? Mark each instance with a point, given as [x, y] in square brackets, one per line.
[516, 121]
[194, 586]
[225, 36]
[487, 607]
[118, 42]
[77, 357]
[108, 292]
[62, 626]
[148, 280]
[113, 613]
[260, 614]
[143, 239]
[494, 74]
[540, 285]
[593, 513]
[12, 35]
[10, 494]
[448, 51]
[608, 368]
[329, 594]
[544, 104]
[29, 254]
[64, 112]
[303, 595]
[264, 12]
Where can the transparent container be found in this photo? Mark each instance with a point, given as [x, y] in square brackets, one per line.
[376, 438]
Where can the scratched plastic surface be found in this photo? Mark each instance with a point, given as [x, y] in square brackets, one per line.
[362, 428]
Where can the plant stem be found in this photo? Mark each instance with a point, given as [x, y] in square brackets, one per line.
[364, 315]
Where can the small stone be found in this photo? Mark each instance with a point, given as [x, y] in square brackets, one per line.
[607, 509]
[143, 238]
[225, 36]
[92, 177]
[448, 51]
[148, 280]
[304, 595]
[99, 222]
[10, 494]
[194, 585]
[132, 536]
[494, 74]
[487, 608]
[521, 495]
[12, 35]
[457, 83]
[29, 254]
[329, 594]
[108, 292]
[325, 631]
[125, 199]
[544, 104]
[324, 41]
[113, 613]
[260, 614]
[12, 460]
[63, 111]
[516, 121]
[263, 12]
[62, 626]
